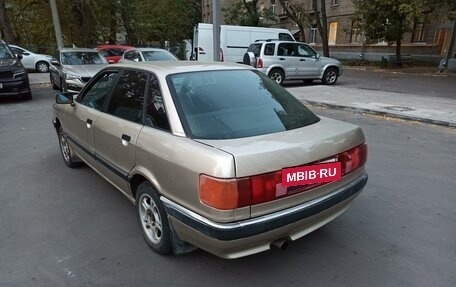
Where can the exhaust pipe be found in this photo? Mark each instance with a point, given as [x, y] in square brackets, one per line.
[280, 244]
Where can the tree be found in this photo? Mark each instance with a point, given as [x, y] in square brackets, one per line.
[388, 19]
[322, 24]
[5, 25]
[248, 13]
[298, 14]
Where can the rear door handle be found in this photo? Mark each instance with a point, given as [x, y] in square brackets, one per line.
[302, 60]
[125, 139]
[282, 59]
[89, 123]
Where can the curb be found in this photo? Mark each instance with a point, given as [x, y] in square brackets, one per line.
[38, 85]
[382, 113]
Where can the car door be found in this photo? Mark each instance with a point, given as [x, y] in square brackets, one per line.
[116, 131]
[308, 63]
[286, 58]
[80, 119]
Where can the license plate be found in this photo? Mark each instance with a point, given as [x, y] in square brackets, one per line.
[310, 174]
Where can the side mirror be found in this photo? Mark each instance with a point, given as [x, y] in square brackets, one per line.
[65, 98]
[55, 62]
[317, 56]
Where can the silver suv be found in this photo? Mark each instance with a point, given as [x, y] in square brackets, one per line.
[287, 60]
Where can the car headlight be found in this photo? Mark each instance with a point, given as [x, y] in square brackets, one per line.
[70, 76]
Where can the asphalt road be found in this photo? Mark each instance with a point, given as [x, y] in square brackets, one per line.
[68, 227]
[396, 81]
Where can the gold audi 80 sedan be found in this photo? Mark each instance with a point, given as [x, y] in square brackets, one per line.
[213, 155]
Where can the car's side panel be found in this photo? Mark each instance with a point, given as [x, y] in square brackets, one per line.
[78, 122]
[173, 165]
[115, 144]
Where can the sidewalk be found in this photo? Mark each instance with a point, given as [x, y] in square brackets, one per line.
[440, 111]
[434, 110]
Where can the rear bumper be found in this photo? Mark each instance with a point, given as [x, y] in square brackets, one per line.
[300, 219]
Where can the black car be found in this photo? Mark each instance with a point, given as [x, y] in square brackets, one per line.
[13, 76]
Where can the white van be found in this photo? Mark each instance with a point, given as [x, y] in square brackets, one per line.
[234, 40]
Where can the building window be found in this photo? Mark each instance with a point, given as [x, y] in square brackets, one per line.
[283, 9]
[335, 2]
[313, 35]
[419, 31]
[332, 33]
[355, 32]
[273, 9]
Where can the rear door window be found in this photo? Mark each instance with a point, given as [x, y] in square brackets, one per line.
[127, 99]
[269, 49]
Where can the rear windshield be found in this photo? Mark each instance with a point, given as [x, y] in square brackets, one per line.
[231, 104]
[255, 49]
[158, 56]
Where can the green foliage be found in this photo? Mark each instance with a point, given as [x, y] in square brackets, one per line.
[245, 13]
[87, 23]
[387, 19]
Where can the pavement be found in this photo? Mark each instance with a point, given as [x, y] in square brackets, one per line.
[433, 110]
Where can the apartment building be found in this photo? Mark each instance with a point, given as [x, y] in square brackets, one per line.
[428, 41]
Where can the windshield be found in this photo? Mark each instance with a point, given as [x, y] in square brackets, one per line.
[235, 103]
[5, 53]
[158, 56]
[82, 58]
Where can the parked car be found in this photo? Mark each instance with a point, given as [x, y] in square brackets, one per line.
[147, 55]
[213, 155]
[14, 79]
[74, 67]
[113, 53]
[287, 60]
[32, 61]
[234, 40]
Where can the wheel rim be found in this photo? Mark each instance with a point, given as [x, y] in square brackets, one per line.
[42, 67]
[64, 147]
[331, 77]
[150, 219]
[277, 77]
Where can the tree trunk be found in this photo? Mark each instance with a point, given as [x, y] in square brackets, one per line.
[325, 28]
[398, 48]
[294, 18]
[302, 32]
[5, 24]
[322, 30]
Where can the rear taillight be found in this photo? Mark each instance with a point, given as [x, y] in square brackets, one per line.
[260, 63]
[234, 193]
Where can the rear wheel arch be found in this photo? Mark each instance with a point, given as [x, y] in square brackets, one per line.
[135, 181]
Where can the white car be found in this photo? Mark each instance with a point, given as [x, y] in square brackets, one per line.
[32, 61]
[147, 55]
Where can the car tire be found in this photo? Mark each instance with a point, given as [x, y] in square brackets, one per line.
[65, 149]
[330, 76]
[42, 67]
[277, 76]
[249, 59]
[27, 96]
[153, 219]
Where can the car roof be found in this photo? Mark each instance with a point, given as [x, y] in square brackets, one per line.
[114, 46]
[175, 67]
[77, 50]
[145, 49]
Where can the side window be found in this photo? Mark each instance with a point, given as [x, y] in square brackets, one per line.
[16, 51]
[95, 95]
[269, 49]
[303, 50]
[285, 37]
[129, 55]
[155, 111]
[128, 96]
[286, 49]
